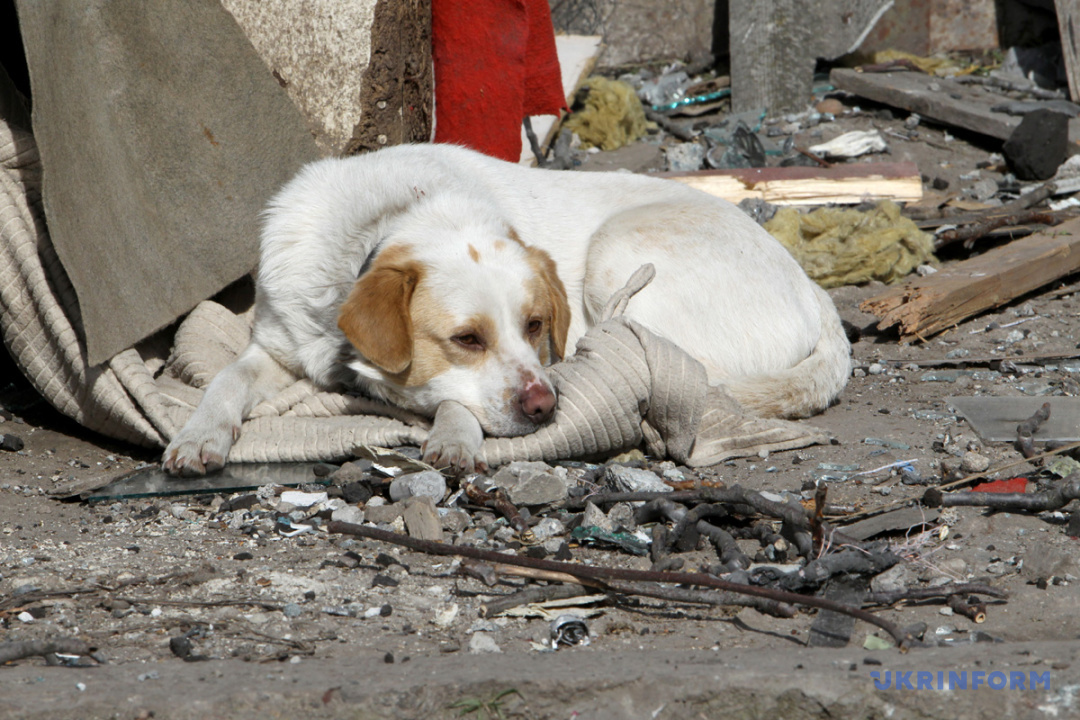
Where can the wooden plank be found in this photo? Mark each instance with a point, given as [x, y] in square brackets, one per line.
[927, 305]
[1068, 15]
[845, 184]
[939, 99]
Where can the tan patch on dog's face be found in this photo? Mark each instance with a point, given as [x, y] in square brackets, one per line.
[440, 343]
[474, 254]
[547, 319]
[376, 315]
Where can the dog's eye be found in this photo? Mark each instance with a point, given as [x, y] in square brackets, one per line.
[471, 341]
[534, 327]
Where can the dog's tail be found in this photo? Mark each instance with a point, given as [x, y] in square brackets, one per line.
[808, 387]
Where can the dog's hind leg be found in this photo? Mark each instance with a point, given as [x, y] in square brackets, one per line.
[203, 444]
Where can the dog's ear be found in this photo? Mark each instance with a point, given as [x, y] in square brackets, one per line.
[560, 308]
[375, 317]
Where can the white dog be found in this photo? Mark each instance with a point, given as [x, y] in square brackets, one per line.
[443, 281]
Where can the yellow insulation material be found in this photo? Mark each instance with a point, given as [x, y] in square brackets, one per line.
[612, 115]
[847, 247]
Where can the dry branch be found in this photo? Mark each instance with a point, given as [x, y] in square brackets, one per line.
[1054, 498]
[19, 649]
[585, 572]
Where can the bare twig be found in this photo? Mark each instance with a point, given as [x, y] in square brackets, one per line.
[534, 594]
[816, 520]
[933, 593]
[976, 230]
[705, 597]
[1054, 498]
[1025, 442]
[19, 649]
[972, 608]
[200, 603]
[727, 549]
[496, 500]
[676, 129]
[816, 158]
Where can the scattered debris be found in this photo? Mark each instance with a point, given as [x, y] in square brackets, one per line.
[851, 145]
[568, 630]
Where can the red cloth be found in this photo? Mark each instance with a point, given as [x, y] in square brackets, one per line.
[1015, 485]
[495, 63]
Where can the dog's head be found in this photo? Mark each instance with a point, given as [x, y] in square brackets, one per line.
[459, 311]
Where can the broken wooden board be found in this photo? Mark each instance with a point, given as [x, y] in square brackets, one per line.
[995, 418]
[1068, 16]
[847, 184]
[939, 99]
[924, 306]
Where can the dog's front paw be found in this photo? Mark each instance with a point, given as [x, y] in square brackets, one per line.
[455, 458]
[453, 444]
[197, 451]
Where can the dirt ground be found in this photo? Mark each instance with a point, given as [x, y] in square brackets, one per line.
[325, 626]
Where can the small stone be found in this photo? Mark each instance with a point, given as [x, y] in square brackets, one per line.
[11, 443]
[621, 516]
[292, 610]
[355, 493]
[430, 483]
[626, 479]
[532, 483]
[349, 514]
[973, 462]
[354, 471]
[482, 642]
[421, 518]
[595, 517]
[830, 106]
[875, 369]
[382, 514]
[1014, 337]
[1038, 145]
[685, 157]
[983, 189]
[548, 528]
[446, 616]
[454, 520]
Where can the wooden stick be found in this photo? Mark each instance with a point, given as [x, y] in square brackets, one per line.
[974, 231]
[847, 184]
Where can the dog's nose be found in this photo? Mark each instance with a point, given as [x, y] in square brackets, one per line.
[537, 402]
